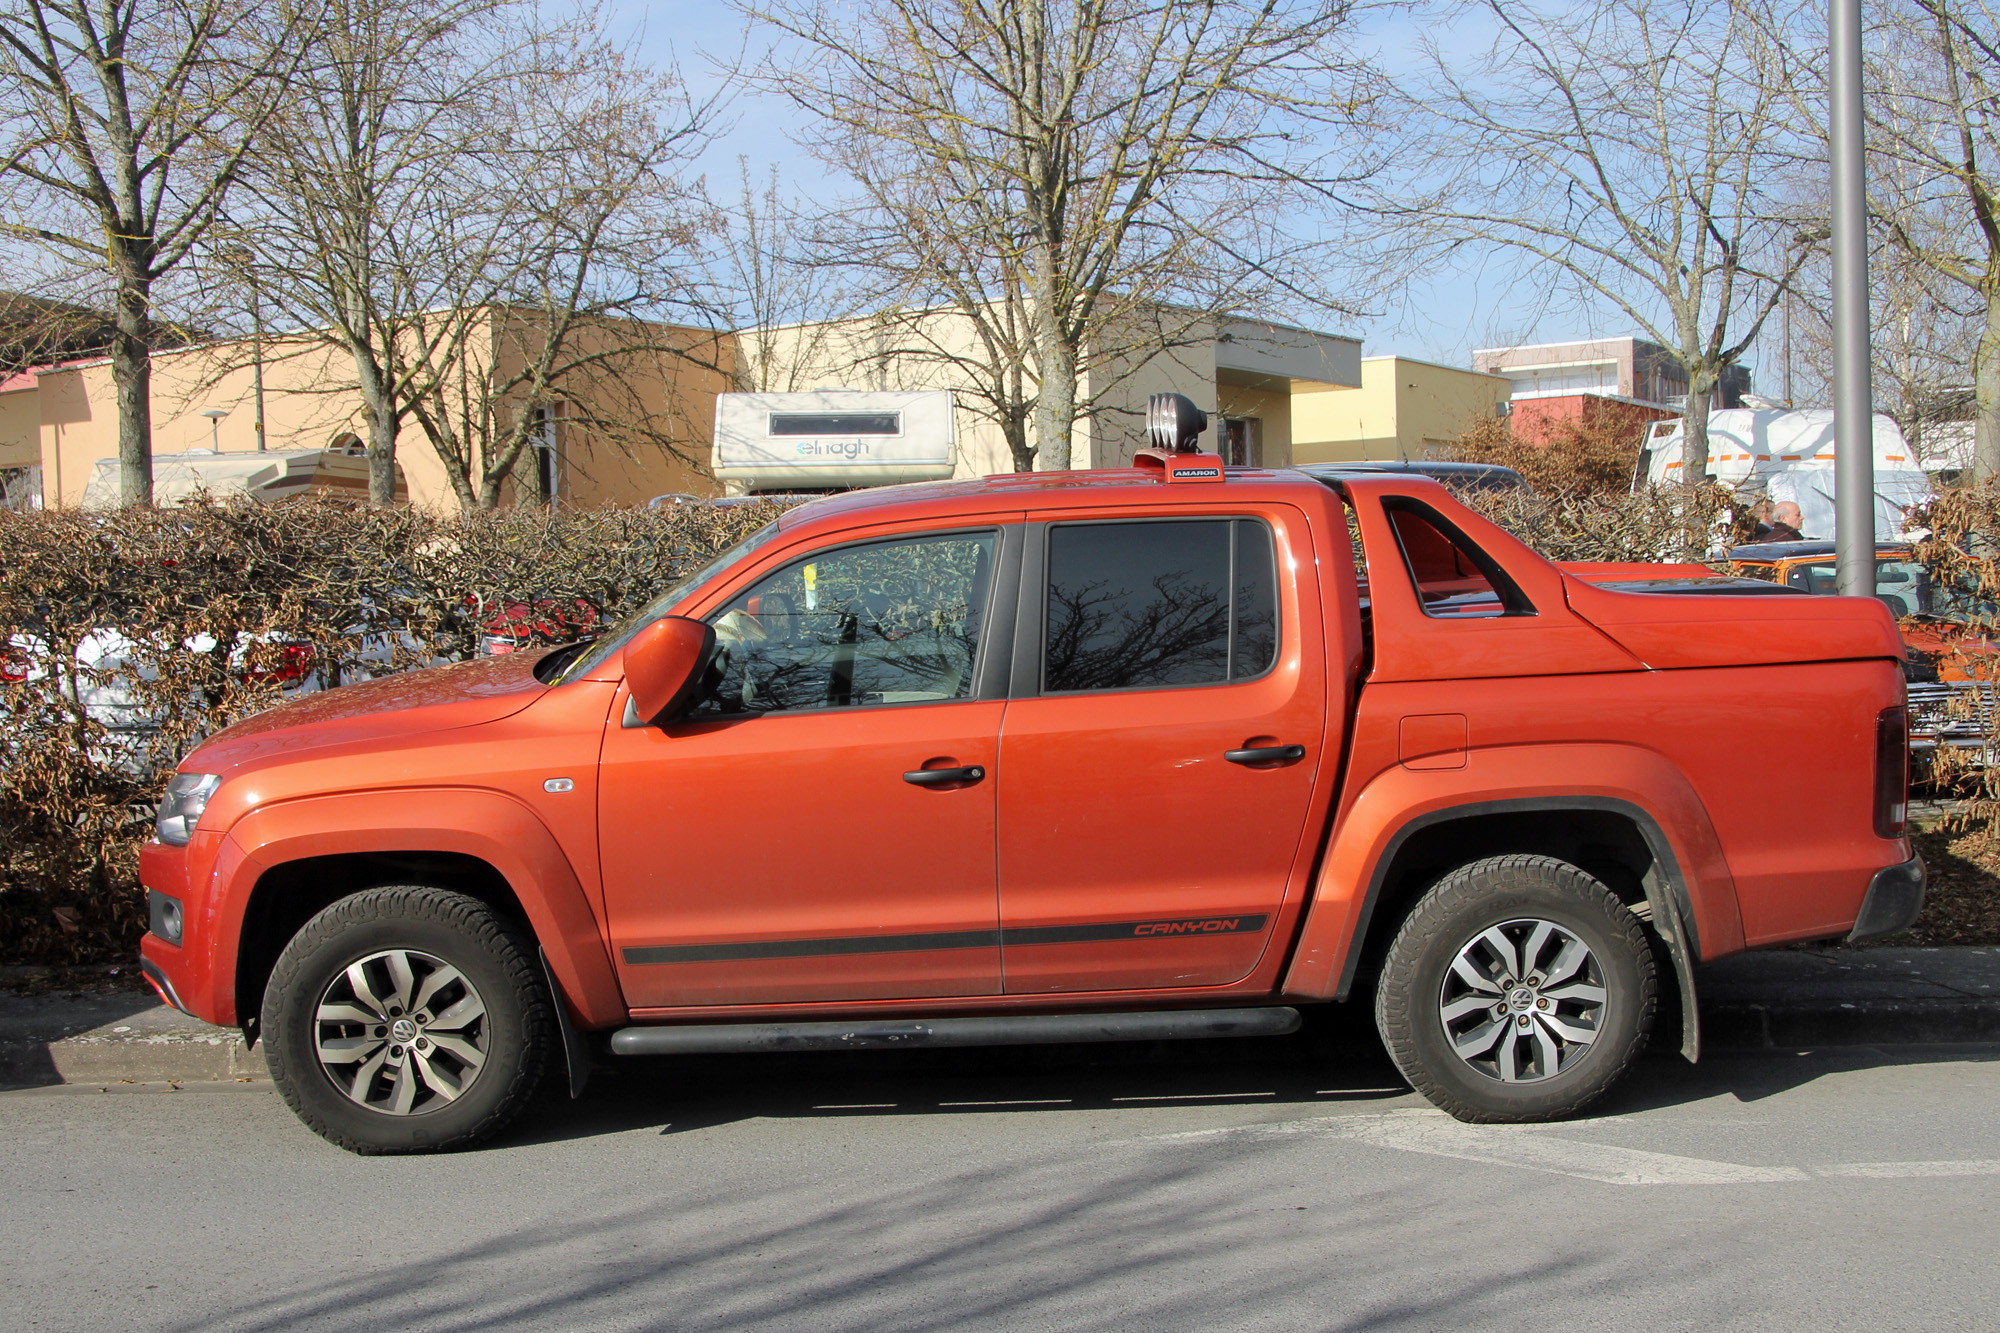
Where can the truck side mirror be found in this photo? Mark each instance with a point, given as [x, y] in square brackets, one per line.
[663, 665]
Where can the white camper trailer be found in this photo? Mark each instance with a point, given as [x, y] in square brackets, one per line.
[832, 439]
[266, 477]
[1790, 456]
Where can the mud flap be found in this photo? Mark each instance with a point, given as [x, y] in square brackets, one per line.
[1666, 922]
[575, 1054]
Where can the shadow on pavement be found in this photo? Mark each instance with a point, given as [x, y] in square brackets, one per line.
[1334, 1062]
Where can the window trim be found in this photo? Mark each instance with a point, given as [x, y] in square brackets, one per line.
[1514, 603]
[995, 640]
[1031, 635]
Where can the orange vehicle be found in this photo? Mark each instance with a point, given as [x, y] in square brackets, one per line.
[1950, 654]
[1086, 756]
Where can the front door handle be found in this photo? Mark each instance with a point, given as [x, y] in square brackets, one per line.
[1266, 754]
[939, 777]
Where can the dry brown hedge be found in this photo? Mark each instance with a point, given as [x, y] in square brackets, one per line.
[204, 600]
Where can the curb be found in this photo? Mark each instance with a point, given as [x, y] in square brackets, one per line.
[1757, 1001]
[121, 1038]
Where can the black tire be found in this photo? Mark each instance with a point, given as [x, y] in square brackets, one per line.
[1515, 894]
[513, 1027]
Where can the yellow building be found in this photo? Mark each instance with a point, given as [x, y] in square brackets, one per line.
[619, 431]
[1402, 409]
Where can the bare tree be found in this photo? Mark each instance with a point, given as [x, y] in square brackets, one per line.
[1085, 181]
[1634, 150]
[125, 123]
[452, 194]
[782, 299]
[1934, 189]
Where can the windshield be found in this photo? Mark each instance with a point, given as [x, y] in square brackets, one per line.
[621, 633]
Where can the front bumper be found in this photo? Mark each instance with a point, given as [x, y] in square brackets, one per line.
[1895, 896]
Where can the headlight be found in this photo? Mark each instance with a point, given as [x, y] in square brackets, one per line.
[187, 797]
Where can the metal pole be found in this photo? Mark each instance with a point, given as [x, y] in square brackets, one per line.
[1853, 394]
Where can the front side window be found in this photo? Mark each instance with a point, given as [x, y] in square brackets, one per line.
[883, 623]
[1157, 604]
[627, 629]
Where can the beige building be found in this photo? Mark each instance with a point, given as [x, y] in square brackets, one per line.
[635, 427]
[1402, 409]
[642, 425]
[1250, 375]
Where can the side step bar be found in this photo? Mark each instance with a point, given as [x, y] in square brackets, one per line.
[984, 1030]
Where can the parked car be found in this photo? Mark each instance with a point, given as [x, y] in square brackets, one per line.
[778, 809]
[1454, 476]
[1952, 661]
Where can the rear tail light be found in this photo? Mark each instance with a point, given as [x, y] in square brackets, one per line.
[493, 645]
[294, 662]
[1892, 773]
[13, 666]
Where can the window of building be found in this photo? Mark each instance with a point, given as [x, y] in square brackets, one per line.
[890, 622]
[1159, 603]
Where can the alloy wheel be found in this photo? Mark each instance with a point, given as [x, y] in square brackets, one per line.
[401, 1032]
[1522, 1001]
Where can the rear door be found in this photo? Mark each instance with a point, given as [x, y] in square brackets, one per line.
[1168, 718]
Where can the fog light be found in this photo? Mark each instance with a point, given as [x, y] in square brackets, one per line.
[163, 916]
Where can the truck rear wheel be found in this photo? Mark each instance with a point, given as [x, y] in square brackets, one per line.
[407, 1019]
[1520, 989]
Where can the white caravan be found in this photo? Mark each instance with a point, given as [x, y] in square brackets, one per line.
[832, 439]
[265, 477]
[1790, 456]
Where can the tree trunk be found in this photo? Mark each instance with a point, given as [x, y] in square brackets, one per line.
[1014, 429]
[1986, 396]
[1055, 405]
[381, 414]
[1694, 429]
[132, 373]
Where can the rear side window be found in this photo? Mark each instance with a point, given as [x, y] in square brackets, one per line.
[1453, 577]
[1158, 604]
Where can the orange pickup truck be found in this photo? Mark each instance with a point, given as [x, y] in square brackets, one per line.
[1160, 752]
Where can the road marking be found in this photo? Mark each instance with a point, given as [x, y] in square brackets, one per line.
[1908, 1170]
[1534, 1148]
[1192, 1096]
[1018, 1101]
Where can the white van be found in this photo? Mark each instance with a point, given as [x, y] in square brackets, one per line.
[1790, 456]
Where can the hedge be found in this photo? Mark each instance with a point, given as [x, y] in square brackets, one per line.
[170, 624]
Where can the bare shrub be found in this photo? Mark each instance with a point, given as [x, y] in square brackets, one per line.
[129, 636]
[1594, 458]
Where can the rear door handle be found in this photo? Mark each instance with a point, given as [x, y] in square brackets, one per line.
[939, 777]
[1266, 754]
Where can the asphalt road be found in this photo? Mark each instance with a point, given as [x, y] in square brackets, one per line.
[1852, 1188]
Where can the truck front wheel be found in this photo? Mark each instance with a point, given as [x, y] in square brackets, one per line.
[1519, 989]
[407, 1019]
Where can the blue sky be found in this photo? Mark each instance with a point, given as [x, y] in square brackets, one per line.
[1442, 319]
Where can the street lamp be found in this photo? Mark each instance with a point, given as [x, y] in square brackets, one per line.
[1853, 394]
[215, 416]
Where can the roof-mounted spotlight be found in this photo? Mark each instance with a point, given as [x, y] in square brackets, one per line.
[1174, 423]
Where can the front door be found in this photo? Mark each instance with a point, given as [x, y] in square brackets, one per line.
[787, 841]
[1154, 787]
